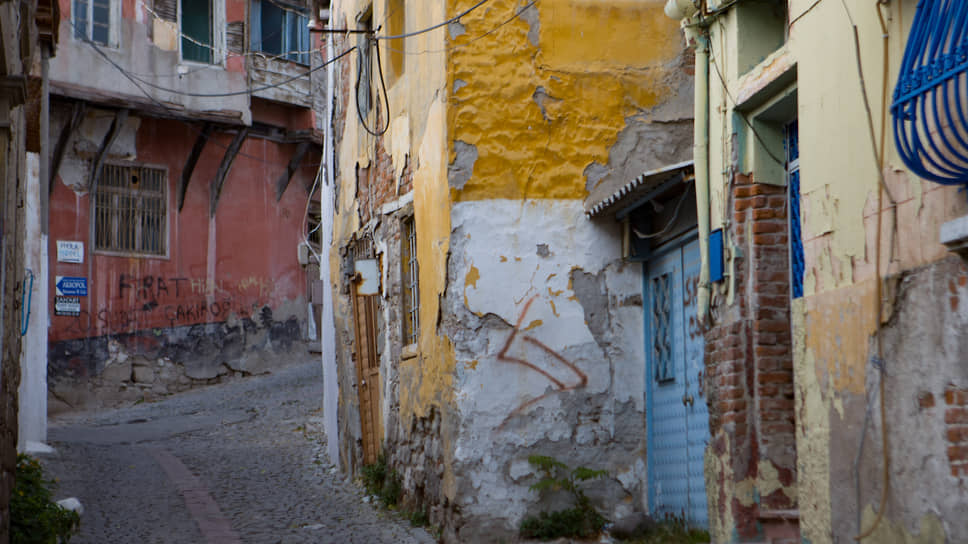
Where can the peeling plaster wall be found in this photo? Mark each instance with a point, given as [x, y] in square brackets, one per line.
[549, 358]
[409, 163]
[835, 325]
[230, 301]
[503, 138]
[544, 316]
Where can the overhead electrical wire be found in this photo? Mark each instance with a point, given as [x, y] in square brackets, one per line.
[470, 41]
[453, 19]
[172, 111]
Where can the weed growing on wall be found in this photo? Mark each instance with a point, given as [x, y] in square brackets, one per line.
[34, 517]
[383, 483]
[581, 520]
[669, 530]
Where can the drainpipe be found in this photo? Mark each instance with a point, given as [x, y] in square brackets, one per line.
[683, 10]
[700, 157]
[44, 139]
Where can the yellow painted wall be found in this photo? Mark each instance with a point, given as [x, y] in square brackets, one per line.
[417, 133]
[597, 62]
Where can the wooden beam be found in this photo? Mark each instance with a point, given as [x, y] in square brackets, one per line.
[119, 118]
[223, 169]
[78, 110]
[190, 163]
[286, 176]
[164, 110]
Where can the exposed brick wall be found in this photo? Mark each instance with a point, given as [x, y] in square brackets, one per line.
[956, 429]
[748, 352]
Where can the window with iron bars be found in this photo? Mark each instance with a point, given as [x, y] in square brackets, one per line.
[131, 211]
[411, 292]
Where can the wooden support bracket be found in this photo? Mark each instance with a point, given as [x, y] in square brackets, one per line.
[190, 163]
[286, 176]
[223, 169]
[78, 110]
[119, 118]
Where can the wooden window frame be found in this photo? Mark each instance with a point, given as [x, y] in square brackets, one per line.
[216, 34]
[114, 16]
[292, 17]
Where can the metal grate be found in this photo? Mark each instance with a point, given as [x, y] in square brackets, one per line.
[791, 143]
[662, 333]
[930, 107]
[131, 211]
[411, 292]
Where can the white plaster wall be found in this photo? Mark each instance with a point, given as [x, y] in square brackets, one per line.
[32, 419]
[504, 253]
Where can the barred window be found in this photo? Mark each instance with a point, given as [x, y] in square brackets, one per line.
[411, 293]
[131, 211]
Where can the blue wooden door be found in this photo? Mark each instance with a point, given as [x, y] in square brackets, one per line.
[677, 417]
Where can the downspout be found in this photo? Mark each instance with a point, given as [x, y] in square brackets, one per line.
[44, 139]
[683, 10]
[700, 157]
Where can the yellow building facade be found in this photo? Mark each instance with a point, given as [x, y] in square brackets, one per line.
[484, 310]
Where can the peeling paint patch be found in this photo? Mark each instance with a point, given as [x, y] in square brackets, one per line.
[472, 276]
[459, 171]
[530, 15]
[593, 298]
[456, 28]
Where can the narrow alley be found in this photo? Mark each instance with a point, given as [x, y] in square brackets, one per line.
[236, 462]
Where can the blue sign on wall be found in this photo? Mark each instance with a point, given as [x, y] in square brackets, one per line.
[72, 287]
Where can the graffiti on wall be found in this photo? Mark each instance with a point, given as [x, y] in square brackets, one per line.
[575, 377]
[152, 300]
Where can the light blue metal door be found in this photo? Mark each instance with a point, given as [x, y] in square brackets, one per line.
[677, 417]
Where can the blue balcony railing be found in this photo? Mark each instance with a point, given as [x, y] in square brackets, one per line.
[930, 105]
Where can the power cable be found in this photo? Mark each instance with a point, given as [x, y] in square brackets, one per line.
[756, 134]
[472, 40]
[248, 90]
[386, 100]
[434, 27]
[163, 106]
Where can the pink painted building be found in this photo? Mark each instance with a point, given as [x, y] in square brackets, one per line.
[184, 153]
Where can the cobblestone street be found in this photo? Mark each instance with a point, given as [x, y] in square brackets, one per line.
[237, 462]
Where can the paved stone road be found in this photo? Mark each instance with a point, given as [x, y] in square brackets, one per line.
[241, 462]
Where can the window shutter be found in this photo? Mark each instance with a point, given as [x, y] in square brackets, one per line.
[167, 9]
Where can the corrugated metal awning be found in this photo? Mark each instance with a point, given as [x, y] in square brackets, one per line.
[637, 191]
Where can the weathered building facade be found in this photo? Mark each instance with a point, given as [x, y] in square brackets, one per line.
[185, 150]
[27, 39]
[481, 315]
[834, 332]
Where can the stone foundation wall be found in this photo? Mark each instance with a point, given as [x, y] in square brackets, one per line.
[121, 368]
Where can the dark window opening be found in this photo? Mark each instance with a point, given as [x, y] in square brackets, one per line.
[196, 28]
